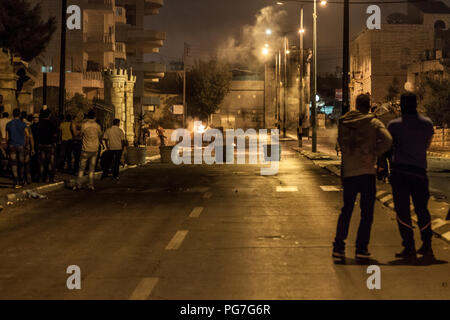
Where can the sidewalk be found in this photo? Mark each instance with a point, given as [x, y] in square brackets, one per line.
[9, 195]
[439, 209]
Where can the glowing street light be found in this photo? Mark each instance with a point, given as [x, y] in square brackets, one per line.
[265, 51]
[301, 31]
[268, 32]
[323, 3]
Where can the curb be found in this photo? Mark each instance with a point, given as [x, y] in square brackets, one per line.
[440, 227]
[438, 155]
[42, 190]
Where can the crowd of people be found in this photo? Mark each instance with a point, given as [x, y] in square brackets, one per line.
[34, 147]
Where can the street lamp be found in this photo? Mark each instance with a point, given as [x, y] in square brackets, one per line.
[265, 52]
[314, 102]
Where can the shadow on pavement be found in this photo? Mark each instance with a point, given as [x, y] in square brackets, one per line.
[358, 262]
[419, 262]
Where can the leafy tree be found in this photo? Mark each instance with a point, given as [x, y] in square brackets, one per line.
[78, 103]
[207, 85]
[434, 99]
[21, 29]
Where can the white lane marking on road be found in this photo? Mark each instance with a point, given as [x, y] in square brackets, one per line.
[196, 212]
[330, 188]
[177, 240]
[287, 188]
[144, 289]
[207, 195]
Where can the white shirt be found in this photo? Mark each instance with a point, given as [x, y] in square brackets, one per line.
[115, 136]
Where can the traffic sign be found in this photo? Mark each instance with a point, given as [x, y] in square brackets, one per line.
[177, 109]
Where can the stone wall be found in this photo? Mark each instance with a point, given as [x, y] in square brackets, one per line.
[119, 88]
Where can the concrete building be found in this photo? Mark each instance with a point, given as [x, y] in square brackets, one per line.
[243, 107]
[380, 58]
[137, 41]
[112, 37]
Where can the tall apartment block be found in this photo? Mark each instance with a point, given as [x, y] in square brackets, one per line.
[112, 36]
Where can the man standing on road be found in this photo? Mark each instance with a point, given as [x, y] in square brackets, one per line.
[90, 135]
[115, 142]
[412, 135]
[15, 135]
[362, 138]
[160, 132]
[46, 138]
[65, 135]
[75, 129]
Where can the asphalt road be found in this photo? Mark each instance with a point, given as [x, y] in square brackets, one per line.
[204, 232]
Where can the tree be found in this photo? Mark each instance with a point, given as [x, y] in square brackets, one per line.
[21, 29]
[78, 103]
[434, 99]
[207, 85]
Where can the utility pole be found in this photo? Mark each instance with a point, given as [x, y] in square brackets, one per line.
[346, 61]
[276, 86]
[313, 98]
[265, 87]
[285, 86]
[300, 84]
[279, 91]
[44, 88]
[185, 54]
[62, 64]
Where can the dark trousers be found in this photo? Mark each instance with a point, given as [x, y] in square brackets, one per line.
[27, 165]
[366, 186]
[47, 158]
[76, 151]
[411, 182]
[112, 161]
[65, 155]
[17, 161]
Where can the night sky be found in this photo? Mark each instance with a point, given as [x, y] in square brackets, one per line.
[208, 24]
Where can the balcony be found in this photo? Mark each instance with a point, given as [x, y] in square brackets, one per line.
[152, 6]
[121, 52]
[150, 67]
[146, 40]
[105, 6]
[120, 15]
[99, 43]
[152, 71]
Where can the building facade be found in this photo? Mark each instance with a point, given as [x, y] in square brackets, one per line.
[112, 36]
[379, 59]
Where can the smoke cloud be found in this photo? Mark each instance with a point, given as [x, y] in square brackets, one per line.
[248, 48]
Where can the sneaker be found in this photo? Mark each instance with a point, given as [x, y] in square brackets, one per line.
[425, 251]
[363, 254]
[76, 188]
[407, 253]
[338, 253]
[91, 188]
[18, 186]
